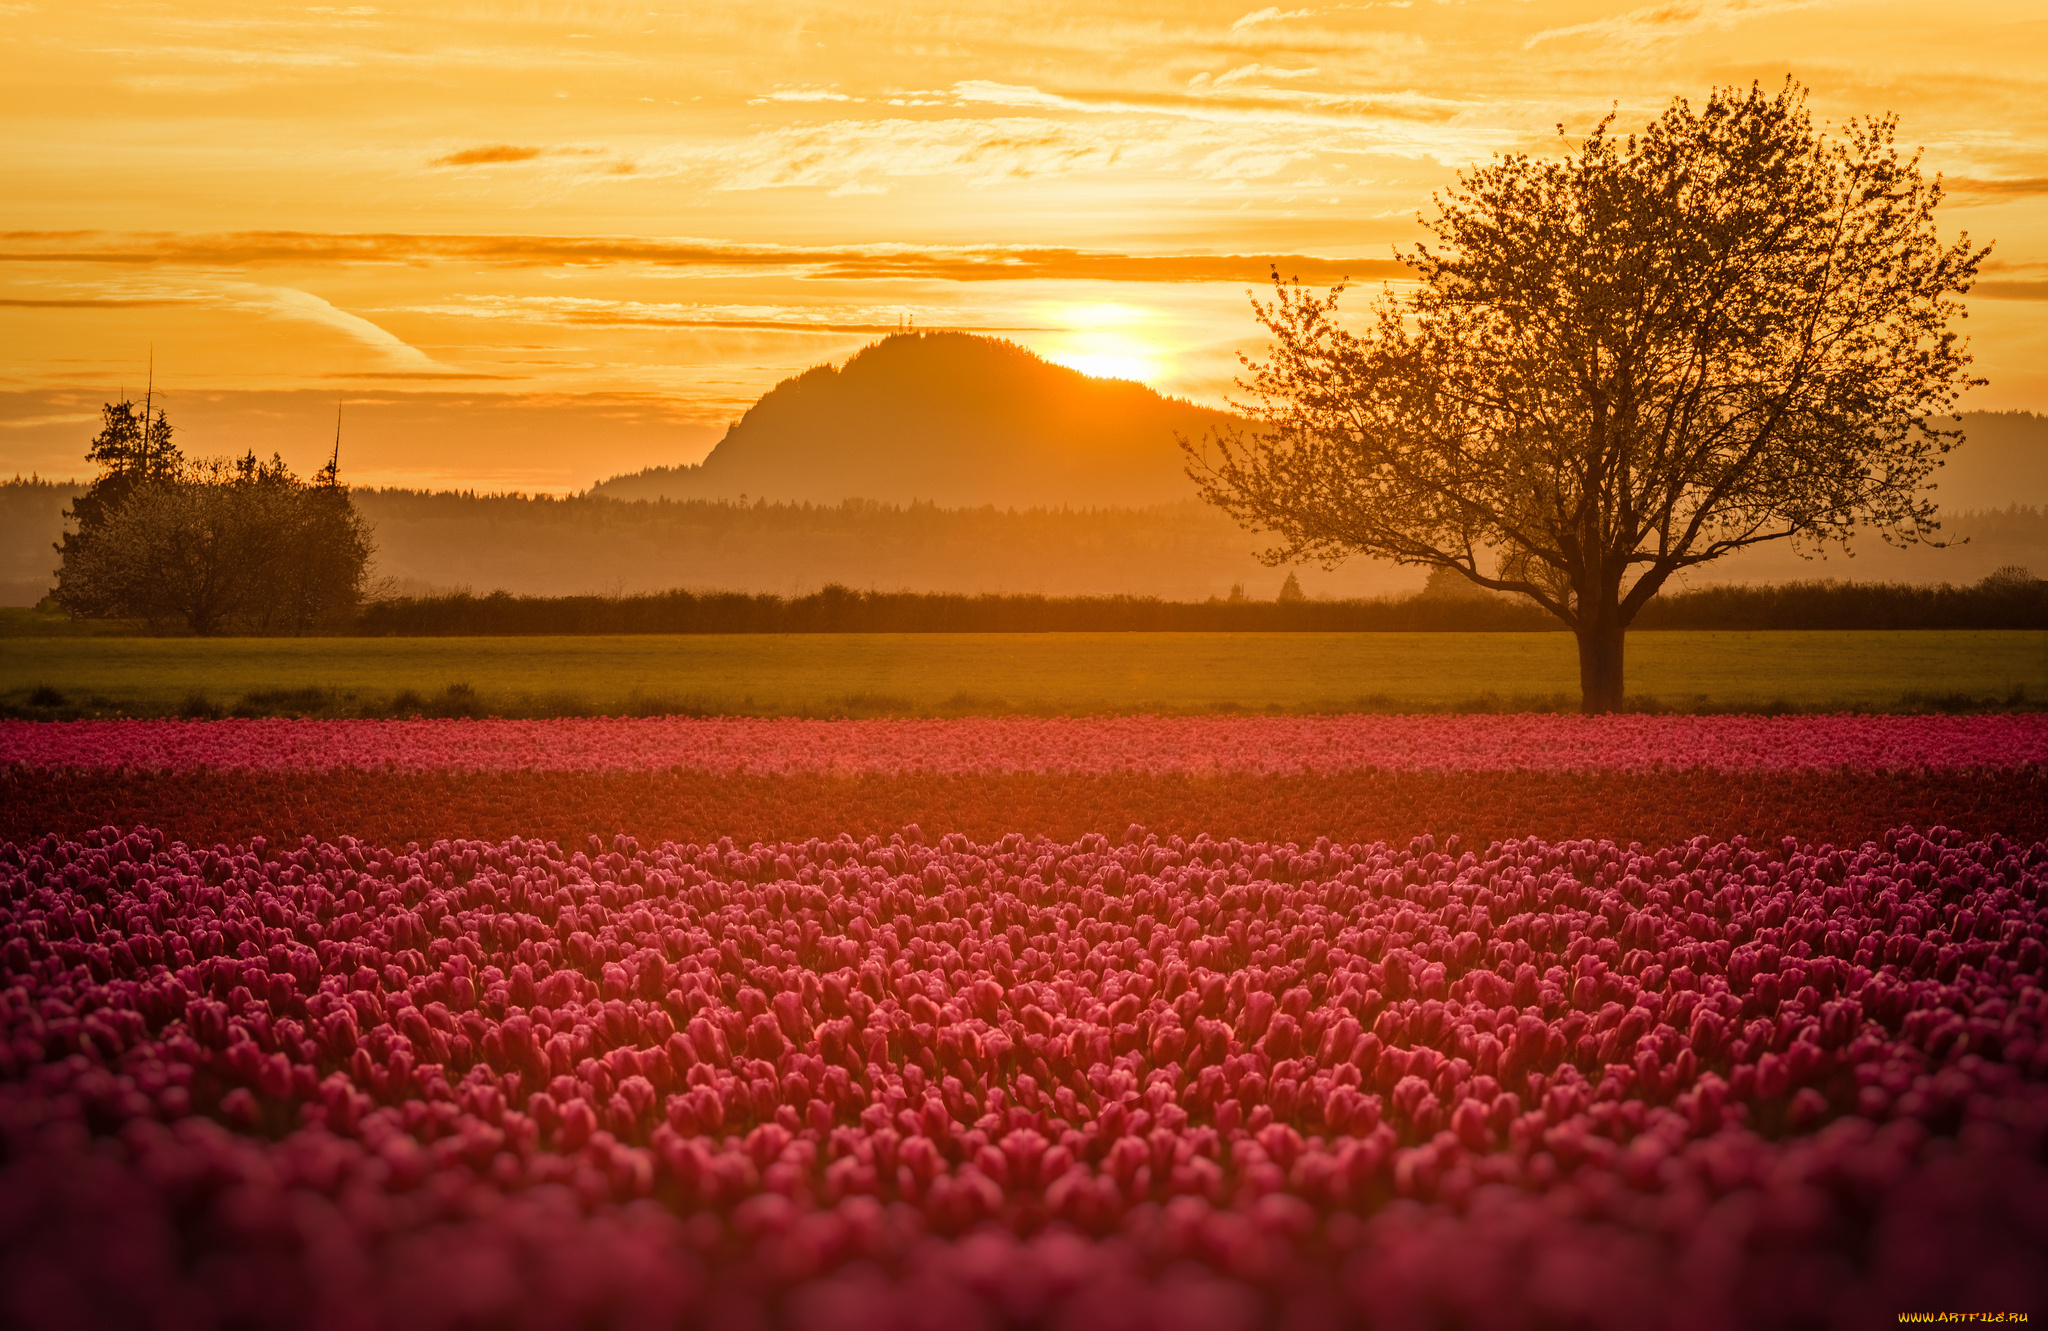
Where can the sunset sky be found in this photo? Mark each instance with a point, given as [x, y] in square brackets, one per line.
[534, 244]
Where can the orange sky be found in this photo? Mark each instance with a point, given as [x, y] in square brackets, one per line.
[537, 244]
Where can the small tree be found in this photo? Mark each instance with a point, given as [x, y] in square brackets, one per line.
[216, 546]
[1633, 359]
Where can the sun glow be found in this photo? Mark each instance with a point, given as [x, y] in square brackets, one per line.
[1105, 341]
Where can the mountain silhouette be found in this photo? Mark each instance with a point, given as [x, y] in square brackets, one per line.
[947, 418]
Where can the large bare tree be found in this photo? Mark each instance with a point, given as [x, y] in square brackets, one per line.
[1629, 359]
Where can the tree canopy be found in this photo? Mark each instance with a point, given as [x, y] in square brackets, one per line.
[1622, 361]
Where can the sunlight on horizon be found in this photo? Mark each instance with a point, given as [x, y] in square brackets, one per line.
[1103, 340]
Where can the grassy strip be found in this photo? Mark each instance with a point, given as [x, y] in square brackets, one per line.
[391, 808]
[992, 673]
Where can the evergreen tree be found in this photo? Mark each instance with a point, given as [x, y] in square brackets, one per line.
[132, 449]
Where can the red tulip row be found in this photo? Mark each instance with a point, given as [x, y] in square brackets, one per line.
[393, 808]
[1270, 745]
[1021, 1081]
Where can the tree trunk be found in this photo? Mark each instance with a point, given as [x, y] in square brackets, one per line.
[1600, 664]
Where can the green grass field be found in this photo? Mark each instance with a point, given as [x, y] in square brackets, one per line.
[942, 674]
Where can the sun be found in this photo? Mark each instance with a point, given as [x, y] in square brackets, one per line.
[1110, 357]
[1104, 341]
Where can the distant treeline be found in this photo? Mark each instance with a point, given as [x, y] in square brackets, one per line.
[838, 609]
[433, 543]
[2006, 601]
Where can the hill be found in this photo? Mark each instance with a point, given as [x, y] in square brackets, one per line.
[946, 418]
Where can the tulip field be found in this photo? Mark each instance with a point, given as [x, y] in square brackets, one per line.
[1120, 1023]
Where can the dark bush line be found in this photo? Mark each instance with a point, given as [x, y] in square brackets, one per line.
[2007, 600]
[1995, 603]
[841, 610]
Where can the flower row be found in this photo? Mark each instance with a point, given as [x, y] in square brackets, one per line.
[833, 1079]
[1320, 744]
[393, 808]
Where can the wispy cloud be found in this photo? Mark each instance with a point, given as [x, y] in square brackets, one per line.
[292, 303]
[807, 95]
[1077, 136]
[494, 154]
[96, 303]
[417, 374]
[1246, 73]
[1362, 113]
[1270, 14]
[1671, 21]
[274, 57]
[870, 262]
[591, 311]
[2035, 290]
[2015, 188]
[497, 152]
[982, 151]
[58, 418]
